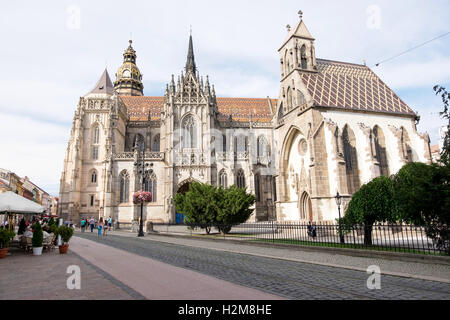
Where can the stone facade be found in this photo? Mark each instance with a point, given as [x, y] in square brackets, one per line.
[334, 127]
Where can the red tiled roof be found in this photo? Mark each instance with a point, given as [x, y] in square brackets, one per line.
[239, 108]
[351, 86]
[435, 149]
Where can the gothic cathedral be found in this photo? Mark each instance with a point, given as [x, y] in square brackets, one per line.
[334, 127]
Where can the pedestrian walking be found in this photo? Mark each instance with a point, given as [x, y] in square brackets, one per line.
[91, 222]
[100, 227]
[83, 225]
[109, 223]
[105, 228]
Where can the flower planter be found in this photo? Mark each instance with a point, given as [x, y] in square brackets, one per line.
[37, 251]
[3, 252]
[63, 249]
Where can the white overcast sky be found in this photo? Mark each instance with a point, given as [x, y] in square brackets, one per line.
[53, 52]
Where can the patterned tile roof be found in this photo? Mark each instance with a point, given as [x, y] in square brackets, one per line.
[239, 108]
[352, 86]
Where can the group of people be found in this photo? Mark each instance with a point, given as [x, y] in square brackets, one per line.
[102, 226]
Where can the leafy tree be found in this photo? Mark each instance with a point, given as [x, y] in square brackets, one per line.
[422, 193]
[234, 207]
[199, 205]
[374, 202]
[445, 95]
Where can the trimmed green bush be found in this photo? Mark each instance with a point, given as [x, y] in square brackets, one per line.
[65, 232]
[38, 236]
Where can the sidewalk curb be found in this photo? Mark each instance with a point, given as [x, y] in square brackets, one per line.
[404, 257]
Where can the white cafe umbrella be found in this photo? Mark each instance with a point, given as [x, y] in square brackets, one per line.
[11, 202]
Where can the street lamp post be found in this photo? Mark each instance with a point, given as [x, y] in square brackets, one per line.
[144, 169]
[339, 202]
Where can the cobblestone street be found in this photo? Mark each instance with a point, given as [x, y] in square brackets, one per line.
[293, 280]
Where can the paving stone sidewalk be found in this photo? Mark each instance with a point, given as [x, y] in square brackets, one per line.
[419, 270]
[27, 277]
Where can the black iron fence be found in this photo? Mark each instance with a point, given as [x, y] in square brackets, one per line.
[386, 237]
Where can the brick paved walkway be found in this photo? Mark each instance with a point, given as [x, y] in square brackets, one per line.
[291, 279]
[159, 281]
[27, 277]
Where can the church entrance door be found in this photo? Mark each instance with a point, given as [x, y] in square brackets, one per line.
[179, 217]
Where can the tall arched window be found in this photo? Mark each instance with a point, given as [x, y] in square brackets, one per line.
[300, 98]
[224, 143]
[124, 187]
[189, 132]
[303, 57]
[95, 142]
[380, 150]
[240, 179]
[96, 135]
[156, 147]
[223, 180]
[151, 186]
[94, 177]
[258, 187]
[351, 160]
[289, 99]
[263, 147]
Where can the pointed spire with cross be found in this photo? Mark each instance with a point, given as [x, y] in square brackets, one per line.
[190, 63]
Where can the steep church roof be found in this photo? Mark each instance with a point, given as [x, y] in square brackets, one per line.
[241, 109]
[104, 85]
[353, 87]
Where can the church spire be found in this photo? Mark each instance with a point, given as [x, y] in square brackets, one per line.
[190, 63]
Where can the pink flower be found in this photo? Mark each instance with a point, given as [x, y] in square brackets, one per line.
[142, 196]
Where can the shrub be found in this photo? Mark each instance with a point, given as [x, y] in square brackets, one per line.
[234, 207]
[65, 232]
[5, 237]
[38, 236]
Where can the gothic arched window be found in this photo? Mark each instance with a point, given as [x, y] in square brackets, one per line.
[96, 135]
[351, 160]
[223, 180]
[156, 147]
[94, 177]
[124, 187]
[240, 179]
[263, 147]
[151, 186]
[303, 57]
[189, 127]
[258, 187]
[380, 150]
[289, 99]
[300, 98]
